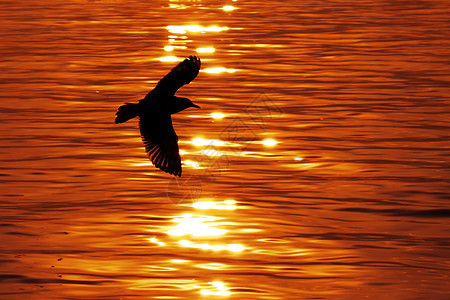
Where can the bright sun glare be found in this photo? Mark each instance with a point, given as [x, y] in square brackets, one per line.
[219, 289]
[169, 59]
[269, 142]
[196, 226]
[205, 50]
[194, 28]
[217, 115]
[228, 8]
[218, 70]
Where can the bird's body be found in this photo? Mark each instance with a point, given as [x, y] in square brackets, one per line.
[155, 110]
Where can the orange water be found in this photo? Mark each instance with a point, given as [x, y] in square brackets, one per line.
[325, 177]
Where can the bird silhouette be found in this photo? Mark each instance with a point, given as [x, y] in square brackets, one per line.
[155, 110]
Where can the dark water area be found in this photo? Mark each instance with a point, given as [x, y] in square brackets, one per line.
[317, 167]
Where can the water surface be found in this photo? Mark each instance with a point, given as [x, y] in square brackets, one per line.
[317, 167]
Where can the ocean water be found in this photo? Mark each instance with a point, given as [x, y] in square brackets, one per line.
[316, 168]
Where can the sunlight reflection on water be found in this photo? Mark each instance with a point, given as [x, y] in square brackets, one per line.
[316, 168]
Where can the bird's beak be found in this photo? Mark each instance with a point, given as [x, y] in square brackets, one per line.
[194, 105]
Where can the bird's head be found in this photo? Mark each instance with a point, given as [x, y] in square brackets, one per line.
[181, 104]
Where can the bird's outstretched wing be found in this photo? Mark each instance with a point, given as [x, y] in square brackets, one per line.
[161, 145]
[180, 75]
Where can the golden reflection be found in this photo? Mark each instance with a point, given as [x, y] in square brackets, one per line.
[205, 50]
[138, 178]
[217, 115]
[212, 266]
[219, 289]
[171, 48]
[178, 6]
[211, 152]
[229, 247]
[269, 142]
[218, 70]
[229, 8]
[257, 45]
[168, 59]
[195, 28]
[155, 240]
[173, 37]
[179, 261]
[140, 164]
[191, 163]
[304, 165]
[227, 204]
[196, 226]
[203, 142]
[251, 230]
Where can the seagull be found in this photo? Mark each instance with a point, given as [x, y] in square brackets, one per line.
[154, 112]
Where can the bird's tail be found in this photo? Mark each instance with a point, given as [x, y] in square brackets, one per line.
[126, 112]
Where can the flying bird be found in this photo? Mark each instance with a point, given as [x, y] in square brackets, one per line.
[154, 112]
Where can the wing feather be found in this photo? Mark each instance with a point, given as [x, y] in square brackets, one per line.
[180, 75]
[161, 143]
